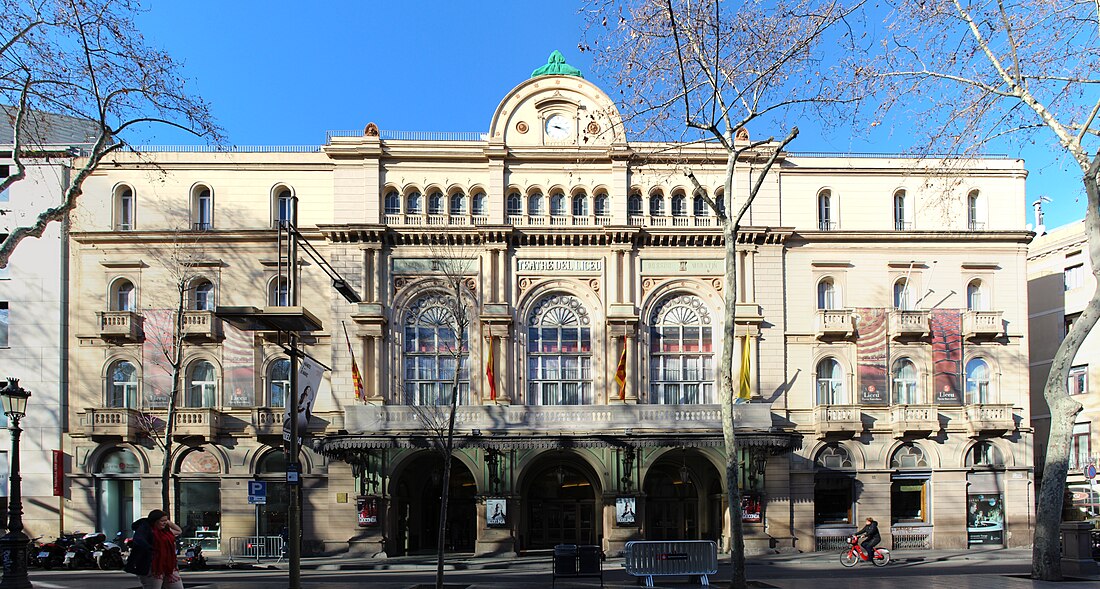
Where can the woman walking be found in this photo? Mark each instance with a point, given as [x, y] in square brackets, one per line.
[153, 557]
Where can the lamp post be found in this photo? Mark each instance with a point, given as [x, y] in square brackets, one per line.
[13, 545]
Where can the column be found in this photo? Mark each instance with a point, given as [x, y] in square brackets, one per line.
[374, 392]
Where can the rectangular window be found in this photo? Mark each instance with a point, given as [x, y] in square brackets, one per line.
[1078, 383]
[1074, 276]
[4, 318]
[907, 501]
[832, 500]
[4, 173]
[1080, 446]
[200, 513]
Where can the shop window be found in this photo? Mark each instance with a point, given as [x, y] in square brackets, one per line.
[681, 352]
[1078, 382]
[559, 352]
[273, 514]
[833, 500]
[431, 354]
[830, 383]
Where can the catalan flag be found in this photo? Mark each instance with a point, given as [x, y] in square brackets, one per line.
[744, 391]
[620, 372]
[356, 378]
[490, 373]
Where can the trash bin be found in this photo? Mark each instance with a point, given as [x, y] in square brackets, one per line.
[565, 559]
[590, 560]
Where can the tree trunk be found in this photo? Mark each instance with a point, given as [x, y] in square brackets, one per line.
[1046, 556]
[170, 423]
[445, 495]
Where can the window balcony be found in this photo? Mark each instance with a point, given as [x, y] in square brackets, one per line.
[909, 324]
[828, 226]
[120, 325]
[835, 323]
[268, 421]
[914, 420]
[987, 418]
[203, 422]
[113, 422]
[978, 324]
[838, 421]
[201, 325]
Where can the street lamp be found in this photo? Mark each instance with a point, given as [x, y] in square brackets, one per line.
[13, 545]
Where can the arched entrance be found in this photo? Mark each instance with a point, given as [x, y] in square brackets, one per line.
[561, 506]
[118, 491]
[674, 507]
[419, 491]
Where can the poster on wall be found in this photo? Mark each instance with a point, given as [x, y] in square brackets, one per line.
[496, 512]
[625, 511]
[985, 519]
[750, 508]
[368, 512]
[871, 348]
[947, 355]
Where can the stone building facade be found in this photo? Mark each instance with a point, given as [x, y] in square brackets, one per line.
[879, 298]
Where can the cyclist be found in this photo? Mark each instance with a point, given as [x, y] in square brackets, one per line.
[871, 538]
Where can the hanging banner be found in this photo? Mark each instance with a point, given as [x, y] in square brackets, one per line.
[946, 356]
[309, 379]
[871, 356]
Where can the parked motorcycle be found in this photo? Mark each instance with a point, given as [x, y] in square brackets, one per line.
[52, 554]
[108, 555]
[32, 553]
[191, 557]
[80, 554]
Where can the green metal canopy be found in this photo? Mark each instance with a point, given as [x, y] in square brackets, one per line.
[556, 66]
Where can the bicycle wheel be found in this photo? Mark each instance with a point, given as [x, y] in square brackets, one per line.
[849, 559]
[882, 558]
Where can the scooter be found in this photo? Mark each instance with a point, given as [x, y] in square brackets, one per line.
[191, 557]
[52, 554]
[80, 553]
[109, 554]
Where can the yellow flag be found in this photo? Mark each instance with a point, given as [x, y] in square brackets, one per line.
[744, 391]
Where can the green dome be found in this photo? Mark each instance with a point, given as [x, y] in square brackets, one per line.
[556, 66]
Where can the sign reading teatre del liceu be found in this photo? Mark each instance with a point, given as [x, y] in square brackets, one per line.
[566, 265]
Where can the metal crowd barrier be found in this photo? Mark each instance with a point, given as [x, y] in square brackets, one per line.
[653, 558]
[256, 547]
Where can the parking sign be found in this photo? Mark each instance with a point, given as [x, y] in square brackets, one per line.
[257, 492]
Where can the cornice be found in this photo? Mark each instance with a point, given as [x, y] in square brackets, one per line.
[266, 236]
[1017, 237]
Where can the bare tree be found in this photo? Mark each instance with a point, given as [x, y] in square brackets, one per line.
[87, 60]
[451, 271]
[991, 73]
[706, 71]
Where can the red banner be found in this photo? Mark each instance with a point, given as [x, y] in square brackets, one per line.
[58, 473]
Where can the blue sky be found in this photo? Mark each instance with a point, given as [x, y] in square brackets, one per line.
[282, 73]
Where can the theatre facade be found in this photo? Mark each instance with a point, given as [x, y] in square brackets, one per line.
[880, 299]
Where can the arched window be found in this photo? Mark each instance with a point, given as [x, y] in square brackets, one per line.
[515, 204]
[656, 205]
[906, 391]
[393, 203]
[203, 298]
[124, 208]
[634, 205]
[534, 204]
[826, 216]
[432, 355]
[202, 211]
[458, 204]
[277, 292]
[202, 385]
[834, 457]
[985, 454]
[902, 298]
[681, 352]
[679, 205]
[557, 205]
[480, 204]
[827, 298]
[278, 383]
[720, 200]
[901, 220]
[435, 203]
[414, 203]
[830, 383]
[580, 205]
[602, 206]
[123, 295]
[699, 206]
[975, 296]
[122, 385]
[909, 456]
[559, 352]
[282, 207]
[975, 211]
[977, 382]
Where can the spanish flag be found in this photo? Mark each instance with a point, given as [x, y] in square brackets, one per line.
[489, 372]
[620, 372]
[744, 391]
[356, 378]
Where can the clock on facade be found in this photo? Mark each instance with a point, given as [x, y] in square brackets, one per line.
[558, 127]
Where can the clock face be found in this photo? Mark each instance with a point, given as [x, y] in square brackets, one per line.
[558, 127]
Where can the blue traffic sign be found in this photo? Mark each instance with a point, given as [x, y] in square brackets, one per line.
[1090, 471]
[257, 492]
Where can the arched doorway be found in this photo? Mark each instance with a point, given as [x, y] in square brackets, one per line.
[674, 507]
[273, 515]
[418, 496]
[561, 507]
[118, 491]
